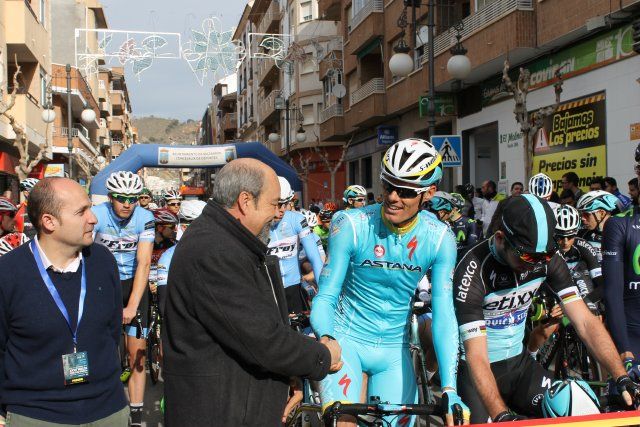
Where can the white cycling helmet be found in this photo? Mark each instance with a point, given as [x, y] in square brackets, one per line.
[152, 206]
[7, 205]
[540, 185]
[567, 220]
[312, 218]
[191, 209]
[286, 193]
[353, 191]
[28, 184]
[412, 163]
[569, 398]
[124, 182]
[598, 200]
[172, 195]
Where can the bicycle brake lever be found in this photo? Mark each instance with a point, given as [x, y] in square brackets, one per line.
[458, 417]
[138, 324]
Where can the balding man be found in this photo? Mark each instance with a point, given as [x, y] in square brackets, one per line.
[60, 318]
[229, 351]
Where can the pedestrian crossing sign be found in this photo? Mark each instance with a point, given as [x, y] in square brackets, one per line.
[450, 148]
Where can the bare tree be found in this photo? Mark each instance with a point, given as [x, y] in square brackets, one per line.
[530, 123]
[302, 170]
[324, 155]
[21, 141]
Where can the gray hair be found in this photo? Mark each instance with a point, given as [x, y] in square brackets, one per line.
[233, 179]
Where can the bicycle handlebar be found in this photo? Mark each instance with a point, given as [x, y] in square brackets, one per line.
[381, 409]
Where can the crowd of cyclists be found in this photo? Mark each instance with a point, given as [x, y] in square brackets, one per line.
[478, 262]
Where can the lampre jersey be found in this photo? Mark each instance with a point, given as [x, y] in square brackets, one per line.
[122, 236]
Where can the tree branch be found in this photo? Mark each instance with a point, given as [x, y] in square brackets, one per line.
[4, 107]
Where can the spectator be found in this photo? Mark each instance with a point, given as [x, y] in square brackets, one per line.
[517, 188]
[71, 313]
[633, 191]
[597, 183]
[570, 181]
[370, 198]
[467, 209]
[229, 351]
[554, 198]
[611, 186]
[567, 198]
[478, 203]
[490, 204]
[379, 199]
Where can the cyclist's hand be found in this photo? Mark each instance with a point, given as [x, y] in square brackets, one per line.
[336, 353]
[457, 413]
[294, 399]
[505, 416]
[633, 369]
[153, 287]
[629, 391]
[128, 314]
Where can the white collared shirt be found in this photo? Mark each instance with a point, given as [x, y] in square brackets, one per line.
[72, 267]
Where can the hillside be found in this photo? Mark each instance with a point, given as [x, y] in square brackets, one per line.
[159, 130]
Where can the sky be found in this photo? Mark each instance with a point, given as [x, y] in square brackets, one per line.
[168, 88]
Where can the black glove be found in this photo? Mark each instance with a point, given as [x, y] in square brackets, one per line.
[505, 416]
[624, 383]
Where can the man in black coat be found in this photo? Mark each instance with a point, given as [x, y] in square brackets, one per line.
[229, 351]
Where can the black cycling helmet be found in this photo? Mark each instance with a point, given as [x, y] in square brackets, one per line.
[638, 153]
[529, 223]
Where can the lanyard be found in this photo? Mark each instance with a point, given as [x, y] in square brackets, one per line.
[56, 296]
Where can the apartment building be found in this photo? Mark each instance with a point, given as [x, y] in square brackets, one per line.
[223, 114]
[25, 37]
[588, 39]
[247, 93]
[116, 111]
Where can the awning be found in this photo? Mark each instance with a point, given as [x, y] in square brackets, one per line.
[369, 48]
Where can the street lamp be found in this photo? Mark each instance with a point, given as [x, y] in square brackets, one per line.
[274, 137]
[459, 65]
[282, 103]
[301, 135]
[88, 114]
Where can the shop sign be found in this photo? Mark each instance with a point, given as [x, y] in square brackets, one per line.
[54, 169]
[597, 52]
[573, 139]
[387, 135]
[445, 105]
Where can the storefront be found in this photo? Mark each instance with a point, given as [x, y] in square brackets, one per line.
[593, 133]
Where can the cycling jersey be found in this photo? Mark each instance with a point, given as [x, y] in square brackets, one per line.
[158, 250]
[163, 265]
[302, 255]
[621, 267]
[122, 236]
[582, 253]
[285, 239]
[465, 231]
[594, 238]
[492, 300]
[323, 233]
[366, 287]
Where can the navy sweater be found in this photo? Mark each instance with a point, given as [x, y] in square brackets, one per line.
[34, 335]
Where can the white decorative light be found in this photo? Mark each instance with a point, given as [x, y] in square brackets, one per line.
[88, 115]
[48, 115]
[301, 135]
[401, 64]
[459, 67]
[274, 137]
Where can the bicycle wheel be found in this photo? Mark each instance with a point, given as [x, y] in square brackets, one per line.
[153, 356]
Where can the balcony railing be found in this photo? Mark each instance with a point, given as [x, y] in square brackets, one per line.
[473, 23]
[368, 9]
[273, 13]
[375, 85]
[335, 110]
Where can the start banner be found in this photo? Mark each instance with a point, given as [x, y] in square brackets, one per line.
[573, 139]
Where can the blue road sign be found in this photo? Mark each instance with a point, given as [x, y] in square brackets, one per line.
[450, 148]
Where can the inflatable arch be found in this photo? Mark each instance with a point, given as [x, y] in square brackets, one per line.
[188, 156]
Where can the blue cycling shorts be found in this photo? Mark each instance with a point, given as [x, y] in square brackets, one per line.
[390, 376]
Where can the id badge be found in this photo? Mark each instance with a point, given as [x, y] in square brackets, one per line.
[76, 368]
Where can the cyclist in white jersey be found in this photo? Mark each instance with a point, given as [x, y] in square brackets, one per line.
[129, 231]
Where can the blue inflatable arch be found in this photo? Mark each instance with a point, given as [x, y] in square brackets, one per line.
[189, 156]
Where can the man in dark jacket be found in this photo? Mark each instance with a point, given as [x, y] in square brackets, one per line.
[229, 350]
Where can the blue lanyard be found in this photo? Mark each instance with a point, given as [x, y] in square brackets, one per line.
[56, 296]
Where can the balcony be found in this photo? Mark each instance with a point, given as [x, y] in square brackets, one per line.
[26, 37]
[367, 25]
[267, 109]
[332, 59]
[330, 9]
[116, 124]
[332, 123]
[268, 72]
[229, 122]
[27, 114]
[117, 101]
[105, 107]
[79, 135]
[270, 22]
[367, 104]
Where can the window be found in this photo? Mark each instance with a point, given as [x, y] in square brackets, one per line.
[349, 18]
[354, 171]
[306, 13]
[358, 5]
[43, 87]
[101, 84]
[307, 66]
[307, 113]
[483, 3]
[43, 15]
[367, 172]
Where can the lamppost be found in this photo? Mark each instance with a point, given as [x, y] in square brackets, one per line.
[401, 63]
[282, 103]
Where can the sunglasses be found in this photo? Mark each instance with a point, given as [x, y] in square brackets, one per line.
[174, 204]
[144, 197]
[168, 225]
[559, 237]
[531, 258]
[358, 199]
[123, 198]
[402, 192]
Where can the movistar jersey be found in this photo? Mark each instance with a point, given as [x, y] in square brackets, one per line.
[621, 267]
[285, 239]
[163, 265]
[492, 300]
[366, 288]
[323, 233]
[466, 233]
[122, 236]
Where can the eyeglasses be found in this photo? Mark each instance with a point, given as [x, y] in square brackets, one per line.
[560, 237]
[358, 199]
[531, 258]
[144, 197]
[402, 192]
[123, 198]
[174, 204]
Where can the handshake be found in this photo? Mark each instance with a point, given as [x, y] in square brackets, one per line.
[336, 353]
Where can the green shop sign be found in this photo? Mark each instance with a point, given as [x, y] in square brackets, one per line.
[597, 52]
[445, 105]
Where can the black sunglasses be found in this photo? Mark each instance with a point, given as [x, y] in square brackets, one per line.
[403, 193]
[174, 204]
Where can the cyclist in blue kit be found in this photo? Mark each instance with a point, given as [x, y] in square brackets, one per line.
[129, 231]
[377, 256]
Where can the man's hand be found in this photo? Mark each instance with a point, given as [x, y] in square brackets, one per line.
[128, 314]
[153, 287]
[506, 416]
[336, 353]
[294, 399]
[455, 408]
[629, 391]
